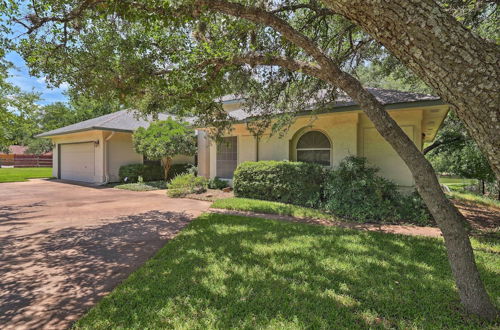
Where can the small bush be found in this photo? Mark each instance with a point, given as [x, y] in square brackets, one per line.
[131, 173]
[185, 184]
[217, 183]
[286, 182]
[355, 191]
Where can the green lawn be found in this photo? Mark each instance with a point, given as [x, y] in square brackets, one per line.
[23, 174]
[448, 180]
[457, 184]
[255, 205]
[478, 199]
[144, 186]
[226, 271]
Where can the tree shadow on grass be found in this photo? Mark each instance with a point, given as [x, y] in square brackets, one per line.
[50, 278]
[226, 271]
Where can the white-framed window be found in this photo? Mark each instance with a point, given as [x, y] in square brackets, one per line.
[314, 147]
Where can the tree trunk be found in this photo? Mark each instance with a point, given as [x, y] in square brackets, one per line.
[451, 222]
[482, 187]
[461, 67]
[167, 163]
[460, 254]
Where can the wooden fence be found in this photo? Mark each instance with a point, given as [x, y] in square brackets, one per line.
[26, 160]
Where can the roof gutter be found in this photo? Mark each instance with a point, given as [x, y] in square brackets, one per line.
[93, 128]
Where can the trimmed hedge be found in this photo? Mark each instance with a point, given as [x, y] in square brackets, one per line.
[352, 191]
[287, 182]
[148, 173]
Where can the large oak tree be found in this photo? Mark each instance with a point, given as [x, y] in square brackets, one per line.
[184, 55]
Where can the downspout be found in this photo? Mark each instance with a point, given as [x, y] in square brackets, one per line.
[106, 171]
[257, 138]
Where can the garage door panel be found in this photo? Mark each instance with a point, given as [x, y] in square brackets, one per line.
[78, 162]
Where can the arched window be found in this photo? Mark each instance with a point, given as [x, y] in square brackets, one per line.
[314, 147]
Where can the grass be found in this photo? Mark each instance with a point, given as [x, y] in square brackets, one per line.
[259, 206]
[226, 271]
[144, 186]
[23, 174]
[461, 181]
[478, 199]
[457, 184]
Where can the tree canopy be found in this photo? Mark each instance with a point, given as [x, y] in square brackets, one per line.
[281, 56]
[162, 140]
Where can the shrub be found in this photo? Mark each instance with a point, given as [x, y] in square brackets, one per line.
[286, 182]
[133, 171]
[355, 191]
[217, 183]
[187, 183]
[412, 209]
[177, 169]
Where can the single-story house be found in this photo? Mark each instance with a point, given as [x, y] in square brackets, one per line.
[93, 150]
[327, 136]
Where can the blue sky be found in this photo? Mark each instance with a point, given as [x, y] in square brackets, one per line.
[21, 78]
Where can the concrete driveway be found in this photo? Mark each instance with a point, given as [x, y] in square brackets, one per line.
[63, 246]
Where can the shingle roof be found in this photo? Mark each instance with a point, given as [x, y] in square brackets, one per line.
[121, 121]
[384, 96]
[126, 121]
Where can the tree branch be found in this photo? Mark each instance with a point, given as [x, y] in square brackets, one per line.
[441, 143]
[37, 21]
[264, 17]
[289, 63]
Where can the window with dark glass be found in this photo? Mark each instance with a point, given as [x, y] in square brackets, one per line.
[227, 157]
[314, 147]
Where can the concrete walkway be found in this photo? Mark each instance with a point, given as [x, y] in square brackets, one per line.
[63, 246]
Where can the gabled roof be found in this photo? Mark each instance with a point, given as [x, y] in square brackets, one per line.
[388, 97]
[126, 120]
[120, 121]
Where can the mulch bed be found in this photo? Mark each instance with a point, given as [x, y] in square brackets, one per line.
[481, 218]
[211, 195]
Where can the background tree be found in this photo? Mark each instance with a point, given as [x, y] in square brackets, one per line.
[283, 56]
[462, 67]
[163, 140]
[454, 152]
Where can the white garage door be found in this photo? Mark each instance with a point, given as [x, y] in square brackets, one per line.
[77, 162]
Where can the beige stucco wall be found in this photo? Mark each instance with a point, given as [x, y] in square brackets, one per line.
[120, 152]
[203, 154]
[380, 153]
[350, 133]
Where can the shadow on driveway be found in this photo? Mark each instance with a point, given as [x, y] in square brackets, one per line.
[50, 278]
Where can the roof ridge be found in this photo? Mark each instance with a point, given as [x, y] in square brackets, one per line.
[116, 115]
[399, 91]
